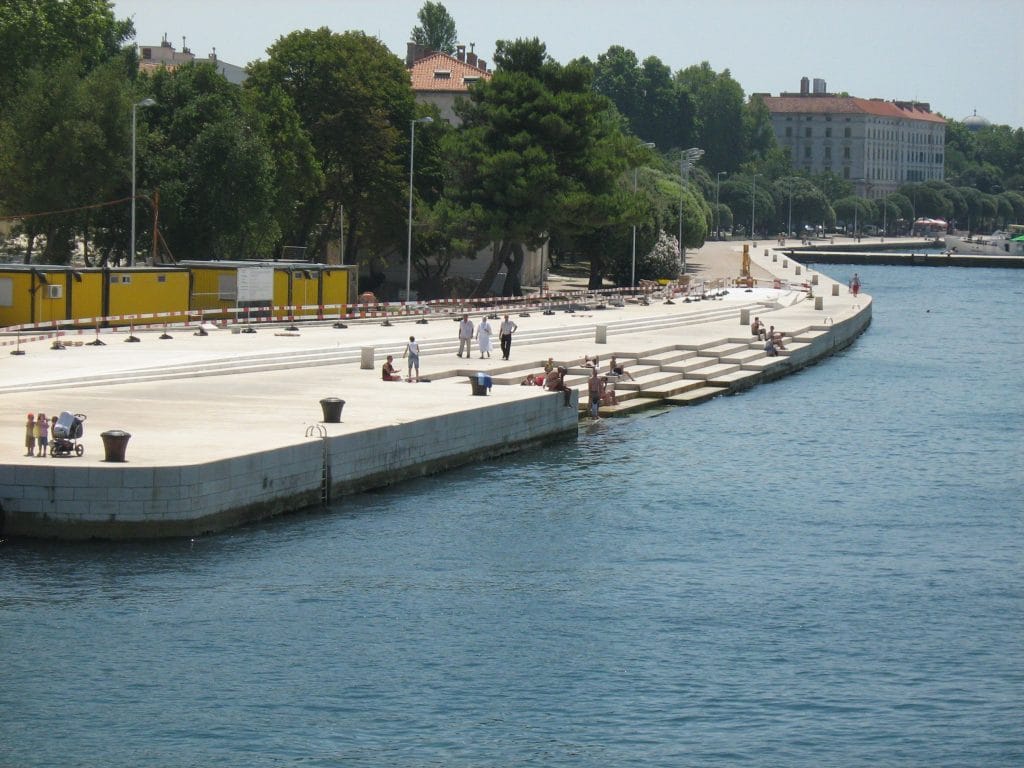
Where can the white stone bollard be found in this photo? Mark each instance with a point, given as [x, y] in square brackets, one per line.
[785, 263]
[798, 270]
[835, 289]
[366, 358]
[744, 317]
[814, 279]
[819, 303]
[601, 334]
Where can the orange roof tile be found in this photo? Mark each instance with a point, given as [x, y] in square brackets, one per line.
[839, 105]
[441, 72]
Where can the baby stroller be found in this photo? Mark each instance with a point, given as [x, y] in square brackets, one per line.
[66, 433]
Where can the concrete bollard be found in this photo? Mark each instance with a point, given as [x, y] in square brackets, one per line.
[775, 257]
[601, 334]
[819, 303]
[766, 253]
[331, 407]
[798, 270]
[115, 443]
[785, 263]
[835, 289]
[366, 358]
[744, 317]
[814, 279]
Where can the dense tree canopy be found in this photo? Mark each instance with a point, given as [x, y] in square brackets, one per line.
[538, 154]
[37, 33]
[354, 102]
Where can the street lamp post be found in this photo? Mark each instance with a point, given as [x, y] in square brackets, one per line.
[718, 216]
[147, 102]
[686, 162]
[632, 278]
[412, 153]
[753, 205]
[789, 225]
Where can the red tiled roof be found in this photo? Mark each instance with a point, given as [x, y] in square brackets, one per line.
[839, 105]
[441, 72]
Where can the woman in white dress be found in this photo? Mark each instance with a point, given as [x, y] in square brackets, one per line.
[483, 338]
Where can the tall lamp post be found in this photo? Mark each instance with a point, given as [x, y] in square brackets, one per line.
[412, 153]
[789, 225]
[689, 157]
[753, 205]
[718, 215]
[632, 278]
[147, 102]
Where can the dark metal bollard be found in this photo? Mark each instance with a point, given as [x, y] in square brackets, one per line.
[332, 409]
[478, 388]
[115, 443]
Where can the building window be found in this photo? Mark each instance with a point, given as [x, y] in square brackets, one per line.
[828, 131]
[828, 153]
[846, 172]
[846, 132]
[846, 153]
[807, 152]
[807, 132]
[789, 131]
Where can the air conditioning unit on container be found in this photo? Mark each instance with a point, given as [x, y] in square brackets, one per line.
[55, 291]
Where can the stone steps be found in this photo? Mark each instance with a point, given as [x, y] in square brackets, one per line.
[696, 396]
[712, 371]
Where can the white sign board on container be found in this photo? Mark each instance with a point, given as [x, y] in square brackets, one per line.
[255, 284]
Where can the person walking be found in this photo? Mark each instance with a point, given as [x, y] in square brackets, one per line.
[466, 336]
[855, 285]
[483, 337]
[505, 335]
[412, 351]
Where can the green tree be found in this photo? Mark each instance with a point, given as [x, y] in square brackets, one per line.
[354, 102]
[540, 154]
[796, 198]
[35, 33]
[721, 116]
[64, 140]
[213, 166]
[436, 29]
[656, 107]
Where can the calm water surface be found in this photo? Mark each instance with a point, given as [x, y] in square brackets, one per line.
[825, 570]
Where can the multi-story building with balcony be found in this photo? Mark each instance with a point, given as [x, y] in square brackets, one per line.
[876, 144]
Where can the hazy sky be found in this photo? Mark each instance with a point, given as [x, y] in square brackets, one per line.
[958, 56]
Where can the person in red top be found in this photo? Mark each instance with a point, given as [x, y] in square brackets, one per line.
[388, 372]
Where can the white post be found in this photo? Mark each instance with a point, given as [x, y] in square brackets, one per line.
[131, 246]
[412, 152]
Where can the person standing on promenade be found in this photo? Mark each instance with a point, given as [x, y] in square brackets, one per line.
[466, 336]
[412, 351]
[855, 285]
[483, 337]
[30, 435]
[42, 432]
[505, 334]
[594, 390]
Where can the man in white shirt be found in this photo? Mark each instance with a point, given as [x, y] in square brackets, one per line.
[466, 336]
[505, 334]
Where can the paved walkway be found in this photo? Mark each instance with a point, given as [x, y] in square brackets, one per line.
[195, 398]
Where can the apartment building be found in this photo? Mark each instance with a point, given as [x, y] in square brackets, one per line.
[876, 144]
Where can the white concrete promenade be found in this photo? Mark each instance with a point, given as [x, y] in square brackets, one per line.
[191, 397]
[191, 400]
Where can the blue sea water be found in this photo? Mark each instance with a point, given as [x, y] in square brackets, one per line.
[825, 570]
